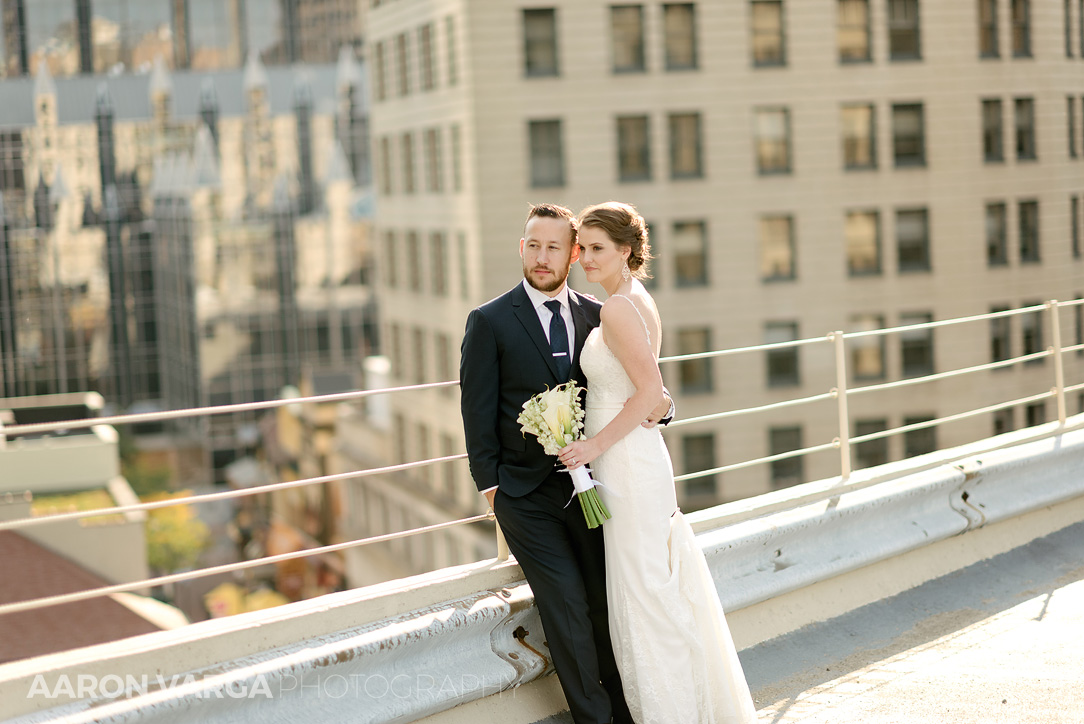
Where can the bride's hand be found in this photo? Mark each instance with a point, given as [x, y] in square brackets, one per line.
[579, 453]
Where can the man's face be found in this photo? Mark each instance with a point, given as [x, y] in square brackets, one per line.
[547, 252]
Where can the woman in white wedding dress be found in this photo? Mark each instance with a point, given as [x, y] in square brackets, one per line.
[676, 657]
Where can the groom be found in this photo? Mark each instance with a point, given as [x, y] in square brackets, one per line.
[516, 346]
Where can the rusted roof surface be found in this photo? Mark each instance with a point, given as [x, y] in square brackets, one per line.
[28, 571]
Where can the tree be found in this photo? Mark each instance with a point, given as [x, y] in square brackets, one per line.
[175, 536]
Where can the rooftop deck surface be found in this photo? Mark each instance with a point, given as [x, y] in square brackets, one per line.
[1000, 641]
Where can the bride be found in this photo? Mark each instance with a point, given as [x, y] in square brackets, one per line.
[677, 660]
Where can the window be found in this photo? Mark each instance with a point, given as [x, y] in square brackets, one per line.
[450, 481]
[540, 42]
[772, 140]
[438, 262]
[1070, 114]
[426, 58]
[403, 63]
[690, 244]
[1029, 231]
[768, 43]
[782, 364]
[1003, 421]
[418, 353]
[421, 436]
[870, 453]
[916, 345]
[457, 160]
[853, 31]
[433, 176]
[547, 156]
[903, 30]
[679, 27]
[922, 441]
[1035, 414]
[997, 245]
[788, 472]
[1000, 336]
[385, 166]
[414, 262]
[395, 352]
[633, 148]
[652, 282]
[380, 70]
[464, 269]
[1031, 331]
[908, 134]
[449, 38]
[1025, 129]
[1067, 17]
[695, 375]
[391, 259]
[913, 240]
[406, 149]
[699, 455]
[442, 351]
[862, 237]
[988, 40]
[777, 248]
[627, 32]
[1021, 28]
[859, 136]
[685, 153]
[993, 150]
[1074, 225]
[867, 353]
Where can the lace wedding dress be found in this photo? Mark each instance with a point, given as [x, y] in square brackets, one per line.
[677, 660]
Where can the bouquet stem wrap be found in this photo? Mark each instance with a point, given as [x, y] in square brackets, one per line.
[556, 418]
[594, 510]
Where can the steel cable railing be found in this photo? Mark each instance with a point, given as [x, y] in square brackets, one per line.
[841, 443]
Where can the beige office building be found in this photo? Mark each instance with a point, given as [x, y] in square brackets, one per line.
[805, 167]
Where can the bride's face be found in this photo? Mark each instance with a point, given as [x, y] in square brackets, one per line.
[600, 257]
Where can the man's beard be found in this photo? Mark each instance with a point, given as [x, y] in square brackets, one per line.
[558, 279]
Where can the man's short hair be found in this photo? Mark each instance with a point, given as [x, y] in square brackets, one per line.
[553, 211]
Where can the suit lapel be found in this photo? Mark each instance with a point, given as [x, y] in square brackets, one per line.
[583, 328]
[528, 317]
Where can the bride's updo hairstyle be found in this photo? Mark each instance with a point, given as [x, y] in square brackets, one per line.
[624, 225]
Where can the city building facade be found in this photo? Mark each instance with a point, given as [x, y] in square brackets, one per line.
[180, 239]
[804, 167]
[116, 36]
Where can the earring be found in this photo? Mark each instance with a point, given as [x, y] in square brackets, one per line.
[625, 273]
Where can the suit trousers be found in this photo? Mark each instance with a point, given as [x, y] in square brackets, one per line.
[565, 564]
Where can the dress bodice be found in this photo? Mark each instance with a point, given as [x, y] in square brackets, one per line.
[607, 383]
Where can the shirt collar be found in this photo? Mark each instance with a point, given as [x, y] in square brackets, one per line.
[539, 298]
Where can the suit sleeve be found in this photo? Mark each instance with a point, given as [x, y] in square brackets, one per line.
[672, 413]
[480, 379]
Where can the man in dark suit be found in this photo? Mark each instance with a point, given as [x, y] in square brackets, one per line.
[516, 346]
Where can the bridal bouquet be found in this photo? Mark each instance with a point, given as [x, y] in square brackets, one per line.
[556, 417]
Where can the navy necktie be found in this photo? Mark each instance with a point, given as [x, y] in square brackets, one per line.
[562, 356]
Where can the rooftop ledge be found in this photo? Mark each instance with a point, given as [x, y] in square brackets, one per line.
[465, 644]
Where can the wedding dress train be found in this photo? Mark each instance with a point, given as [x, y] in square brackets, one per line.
[677, 659]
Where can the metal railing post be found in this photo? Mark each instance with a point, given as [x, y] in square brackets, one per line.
[502, 544]
[841, 404]
[1059, 366]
